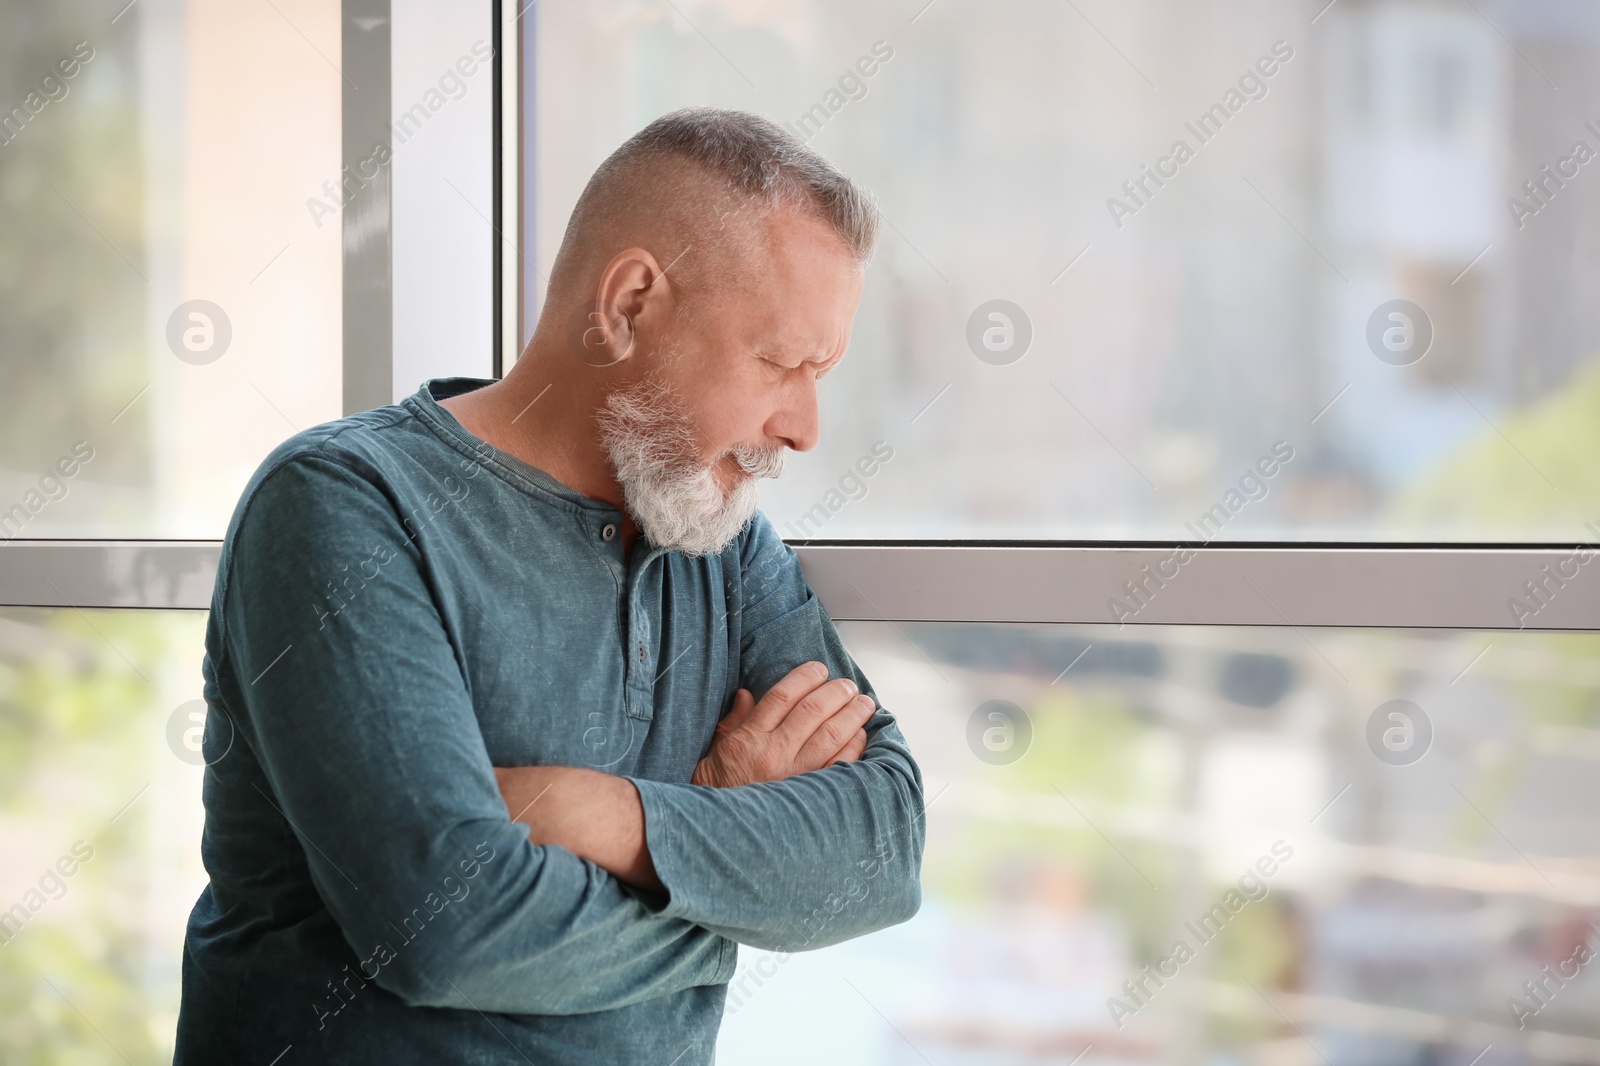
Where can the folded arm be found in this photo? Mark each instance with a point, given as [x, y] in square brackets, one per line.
[802, 862]
[805, 849]
[371, 756]
[806, 722]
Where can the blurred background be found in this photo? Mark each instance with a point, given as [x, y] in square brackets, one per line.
[1130, 784]
[1132, 780]
[1412, 158]
[1168, 348]
[1228, 312]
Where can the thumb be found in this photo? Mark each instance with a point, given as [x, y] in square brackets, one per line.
[743, 703]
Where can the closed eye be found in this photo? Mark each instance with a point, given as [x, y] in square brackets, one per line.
[822, 373]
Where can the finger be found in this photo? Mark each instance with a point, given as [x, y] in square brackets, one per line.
[852, 750]
[834, 734]
[743, 703]
[798, 683]
[811, 713]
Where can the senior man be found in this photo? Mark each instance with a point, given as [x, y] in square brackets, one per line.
[487, 778]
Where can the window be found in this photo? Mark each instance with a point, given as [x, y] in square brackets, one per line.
[175, 300]
[1173, 313]
[1258, 386]
[1169, 843]
[1172, 504]
[175, 180]
[170, 281]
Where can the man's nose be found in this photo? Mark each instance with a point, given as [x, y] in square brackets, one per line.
[796, 423]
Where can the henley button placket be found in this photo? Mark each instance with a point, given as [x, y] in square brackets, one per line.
[639, 680]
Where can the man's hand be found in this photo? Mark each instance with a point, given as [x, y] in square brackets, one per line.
[805, 722]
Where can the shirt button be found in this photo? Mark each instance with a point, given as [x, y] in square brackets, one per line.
[608, 531]
[641, 653]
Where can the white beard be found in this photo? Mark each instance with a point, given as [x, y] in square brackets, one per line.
[676, 501]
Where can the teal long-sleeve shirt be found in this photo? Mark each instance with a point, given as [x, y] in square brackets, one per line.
[400, 608]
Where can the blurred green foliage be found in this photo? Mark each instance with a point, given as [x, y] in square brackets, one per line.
[89, 979]
[1504, 482]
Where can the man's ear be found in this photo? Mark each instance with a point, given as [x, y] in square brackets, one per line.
[633, 292]
[601, 336]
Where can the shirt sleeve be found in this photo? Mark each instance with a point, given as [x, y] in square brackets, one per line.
[813, 859]
[365, 732]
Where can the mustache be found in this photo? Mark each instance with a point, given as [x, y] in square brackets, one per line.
[759, 462]
[654, 421]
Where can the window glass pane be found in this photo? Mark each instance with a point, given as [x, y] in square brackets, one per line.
[1094, 797]
[100, 822]
[1325, 846]
[170, 273]
[1139, 255]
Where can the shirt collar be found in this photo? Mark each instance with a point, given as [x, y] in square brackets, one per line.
[424, 403]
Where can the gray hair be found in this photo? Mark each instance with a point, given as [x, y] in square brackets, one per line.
[747, 166]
